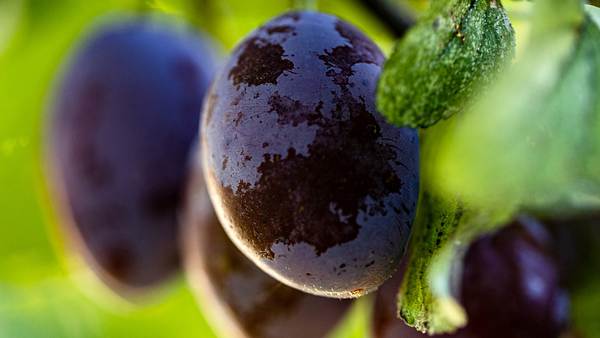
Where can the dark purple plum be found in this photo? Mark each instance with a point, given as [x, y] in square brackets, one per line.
[511, 284]
[510, 288]
[307, 178]
[124, 118]
[242, 300]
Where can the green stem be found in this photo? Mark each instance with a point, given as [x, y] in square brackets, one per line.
[396, 18]
[202, 15]
[307, 5]
[141, 7]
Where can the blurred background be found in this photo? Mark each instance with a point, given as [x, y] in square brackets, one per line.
[45, 291]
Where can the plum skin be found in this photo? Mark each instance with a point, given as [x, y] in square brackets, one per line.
[124, 118]
[307, 178]
[511, 284]
[239, 298]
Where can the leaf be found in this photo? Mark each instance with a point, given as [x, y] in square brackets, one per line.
[10, 14]
[55, 307]
[441, 63]
[533, 142]
[534, 139]
[443, 229]
[356, 322]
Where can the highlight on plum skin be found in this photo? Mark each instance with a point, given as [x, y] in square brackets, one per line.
[240, 300]
[307, 178]
[510, 287]
[125, 114]
[511, 284]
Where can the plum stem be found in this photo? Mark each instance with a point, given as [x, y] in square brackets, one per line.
[309, 5]
[141, 7]
[397, 19]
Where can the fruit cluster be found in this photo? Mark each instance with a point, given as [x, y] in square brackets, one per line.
[292, 194]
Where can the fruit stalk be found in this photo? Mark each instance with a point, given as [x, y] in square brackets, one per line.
[308, 5]
[396, 18]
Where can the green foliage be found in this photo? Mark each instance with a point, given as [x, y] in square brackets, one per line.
[434, 72]
[538, 127]
[357, 322]
[530, 142]
[55, 307]
[457, 48]
[585, 304]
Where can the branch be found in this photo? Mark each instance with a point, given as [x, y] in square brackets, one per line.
[397, 19]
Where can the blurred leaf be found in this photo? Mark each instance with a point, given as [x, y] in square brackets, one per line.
[45, 309]
[52, 307]
[357, 321]
[532, 140]
[10, 14]
[353, 12]
[231, 21]
[457, 47]
[585, 304]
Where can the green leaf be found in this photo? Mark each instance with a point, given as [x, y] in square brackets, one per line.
[443, 229]
[356, 323]
[533, 142]
[55, 307]
[458, 47]
[534, 139]
[10, 13]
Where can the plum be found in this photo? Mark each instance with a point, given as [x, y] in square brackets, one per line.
[124, 117]
[242, 300]
[307, 178]
[511, 284]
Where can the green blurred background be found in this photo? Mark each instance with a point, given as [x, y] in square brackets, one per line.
[44, 290]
